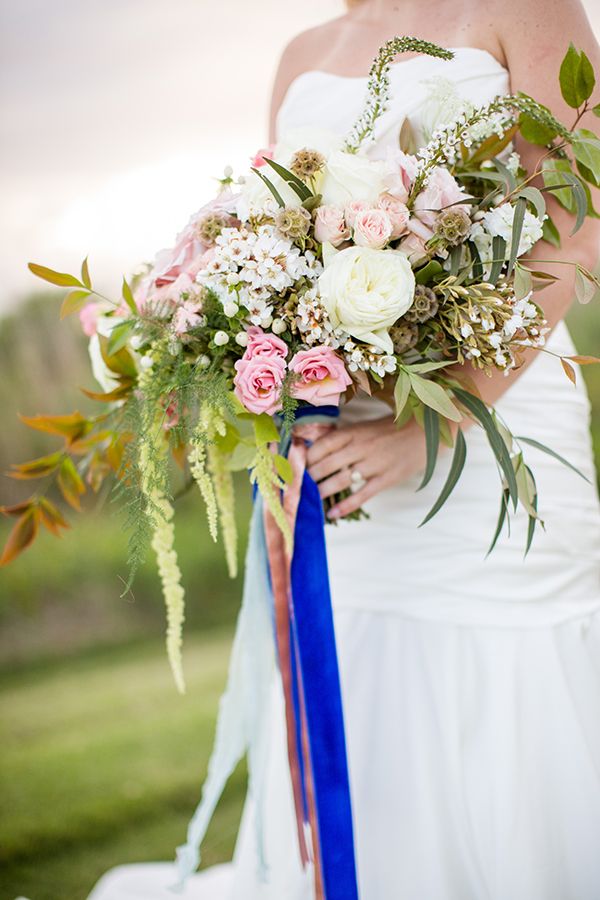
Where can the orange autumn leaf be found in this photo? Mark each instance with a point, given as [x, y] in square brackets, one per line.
[51, 517]
[71, 426]
[569, 370]
[22, 535]
[70, 483]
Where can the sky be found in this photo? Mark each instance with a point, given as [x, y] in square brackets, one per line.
[117, 115]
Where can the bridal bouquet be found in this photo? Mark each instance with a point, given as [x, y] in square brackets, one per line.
[321, 273]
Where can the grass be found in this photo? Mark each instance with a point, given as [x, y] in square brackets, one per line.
[102, 764]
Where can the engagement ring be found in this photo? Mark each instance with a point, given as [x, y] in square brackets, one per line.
[357, 481]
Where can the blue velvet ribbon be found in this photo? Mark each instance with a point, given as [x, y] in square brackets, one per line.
[313, 637]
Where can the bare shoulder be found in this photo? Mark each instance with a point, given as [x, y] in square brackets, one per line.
[304, 52]
[535, 36]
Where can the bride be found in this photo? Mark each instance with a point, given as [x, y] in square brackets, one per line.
[471, 686]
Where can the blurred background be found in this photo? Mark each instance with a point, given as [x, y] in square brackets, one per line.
[116, 118]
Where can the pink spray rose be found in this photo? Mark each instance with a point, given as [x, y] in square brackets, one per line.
[372, 228]
[88, 316]
[259, 157]
[263, 343]
[441, 190]
[413, 246]
[397, 212]
[330, 225]
[403, 171]
[323, 376]
[353, 209]
[258, 383]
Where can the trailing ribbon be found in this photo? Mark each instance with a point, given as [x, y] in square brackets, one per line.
[297, 589]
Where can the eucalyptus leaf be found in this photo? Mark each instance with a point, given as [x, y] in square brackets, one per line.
[401, 392]
[523, 282]
[550, 233]
[479, 410]
[296, 184]
[128, 296]
[435, 396]
[428, 272]
[502, 517]
[431, 423]
[517, 230]
[498, 258]
[278, 198]
[458, 462]
[119, 336]
[536, 198]
[553, 453]
[585, 288]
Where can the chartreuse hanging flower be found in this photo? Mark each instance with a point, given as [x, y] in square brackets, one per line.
[153, 448]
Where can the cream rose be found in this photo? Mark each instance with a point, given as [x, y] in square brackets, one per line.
[350, 176]
[364, 291]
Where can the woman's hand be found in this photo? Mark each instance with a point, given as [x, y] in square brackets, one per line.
[378, 450]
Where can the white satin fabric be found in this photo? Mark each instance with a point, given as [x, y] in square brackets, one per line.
[471, 686]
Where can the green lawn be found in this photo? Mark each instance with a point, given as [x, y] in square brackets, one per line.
[102, 764]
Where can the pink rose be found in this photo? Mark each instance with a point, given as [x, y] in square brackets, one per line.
[88, 316]
[442, 190]
[258, 383]
[259, 157]
[353, 209]
[413, 247]
[398, 213]
[372, 228]
[263, 343]
[403, 171]
[323, 376]
[330, 225]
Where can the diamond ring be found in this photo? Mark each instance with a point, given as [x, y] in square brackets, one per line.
[357, 481]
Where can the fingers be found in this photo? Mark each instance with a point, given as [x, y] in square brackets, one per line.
[348, 455]
[337, 482]
[331, 442]
[355, 501]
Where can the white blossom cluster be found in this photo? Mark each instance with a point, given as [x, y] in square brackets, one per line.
[466, 129]
[523, 328]
[311, 320]
[250, 268]
[367, 358]
[499, 221]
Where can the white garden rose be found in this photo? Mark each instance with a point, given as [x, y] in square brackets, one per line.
[364, 291]
[350, 176]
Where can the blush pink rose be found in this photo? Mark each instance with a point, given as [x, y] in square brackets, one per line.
[413, 246]
[263, 343]
[372, 228]
[322, 376]
[88, 316]
[259, 157]
[398, 214]
[403, 171]
[442, 190]
[353, 209]
[330, 225]
[258, 383]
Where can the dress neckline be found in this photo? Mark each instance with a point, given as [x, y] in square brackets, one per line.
[395, 65]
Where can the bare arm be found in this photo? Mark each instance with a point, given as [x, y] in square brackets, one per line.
[536, 39]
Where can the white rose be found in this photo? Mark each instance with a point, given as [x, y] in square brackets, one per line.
[350, 176]
[499, 221]
[364, 291]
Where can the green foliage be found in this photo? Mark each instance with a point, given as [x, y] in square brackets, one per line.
[576, 77]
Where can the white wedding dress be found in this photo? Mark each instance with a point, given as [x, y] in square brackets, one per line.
[471, 686]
